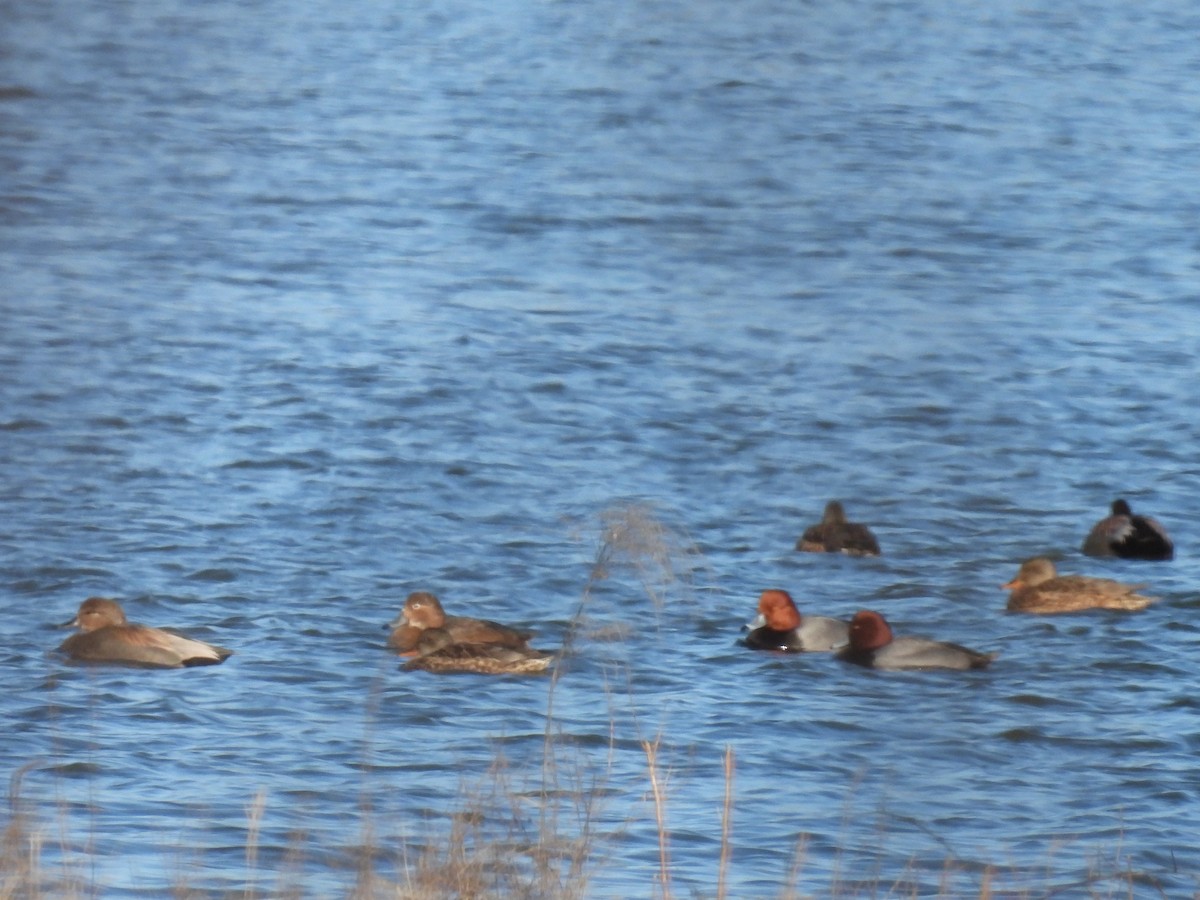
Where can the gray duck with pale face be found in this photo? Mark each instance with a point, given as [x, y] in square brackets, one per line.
[105, 636]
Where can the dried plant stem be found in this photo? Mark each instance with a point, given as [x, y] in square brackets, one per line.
[799, 854]
[726, 824]
[985, 888]
[660, 816]
[254, 814]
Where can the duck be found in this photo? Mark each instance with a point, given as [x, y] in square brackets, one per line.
[779, 626]
[835, 535]
[438, 652]
[423, 610]
[873, 644]
[105, 636]
[1128, 536]
[1038, 588]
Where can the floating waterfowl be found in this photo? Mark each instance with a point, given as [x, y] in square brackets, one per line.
[1128, 536]
[1038, 588]
[779, 626]
[872, 644]
[437, 651]
[106, 636]
[423, 610]
[835, 535]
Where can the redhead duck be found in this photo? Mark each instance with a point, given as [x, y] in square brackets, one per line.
[1038, 588]
[872, 644]
[423, 610]
[1128, 536]
[437, 651]
[835, 535]
[779, 626]
[106, 636]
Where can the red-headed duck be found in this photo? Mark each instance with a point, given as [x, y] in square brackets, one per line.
[1038, 588]
[873, 644]
[835, 535]
[1128, 536]
[106, 636]
[779, 626]
[423, 610]
[437, 651]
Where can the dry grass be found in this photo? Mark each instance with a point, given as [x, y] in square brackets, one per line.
[23, 874]
[495, 848]
[523, 835]
[505, 839]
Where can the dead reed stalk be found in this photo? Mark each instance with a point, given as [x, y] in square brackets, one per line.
[660, 816]
[726, 825]
[254, 815]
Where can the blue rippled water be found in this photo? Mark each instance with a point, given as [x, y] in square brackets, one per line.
[541, 304]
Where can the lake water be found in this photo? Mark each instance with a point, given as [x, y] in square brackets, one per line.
[547, 304]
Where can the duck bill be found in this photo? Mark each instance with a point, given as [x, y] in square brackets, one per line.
[399, 622]
[1012, 585]
[70, 623]
[759, 621]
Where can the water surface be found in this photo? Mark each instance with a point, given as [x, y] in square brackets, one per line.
[306, 308]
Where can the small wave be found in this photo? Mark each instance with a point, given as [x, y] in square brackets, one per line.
[1021, 735]
[109, 422]
[1035, 700]
[282, 462]
[214, 575]
[22, 425]
[75, 768]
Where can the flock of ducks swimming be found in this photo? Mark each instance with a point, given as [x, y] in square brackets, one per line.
[432, 641]
[867, 639]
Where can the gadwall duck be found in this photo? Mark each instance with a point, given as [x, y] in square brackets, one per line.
[835, 535]
[437, 651]
[779, 626]
[1128, 536]
[423, 610]
[872, 644]
[1038, 588]
[106, 636]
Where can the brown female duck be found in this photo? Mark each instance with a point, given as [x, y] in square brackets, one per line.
[835, 535]
[437, 651]
[1038, 588]
[422, 610]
